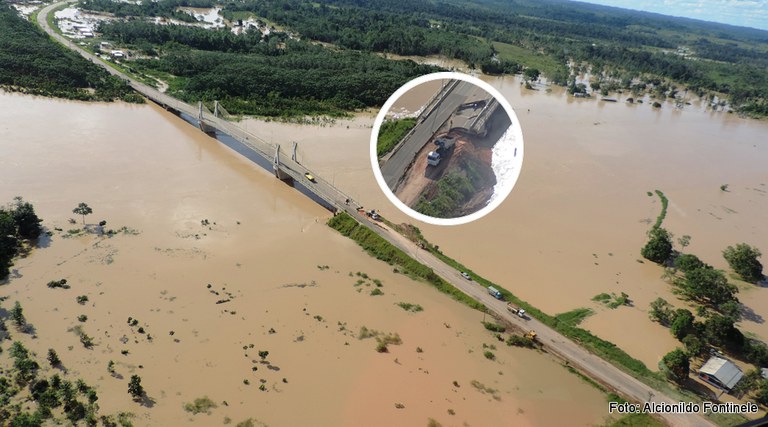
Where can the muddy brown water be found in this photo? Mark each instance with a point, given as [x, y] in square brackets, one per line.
[416, 98]
[573, 226]
[143, 168]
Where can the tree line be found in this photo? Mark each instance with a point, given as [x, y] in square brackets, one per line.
[610, 39]
[270, 76]
[717, 307]
[161, 8]
[18, 223]
[31, 62]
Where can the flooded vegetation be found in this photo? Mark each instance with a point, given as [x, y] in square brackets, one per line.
[183, 286]
[635, 228]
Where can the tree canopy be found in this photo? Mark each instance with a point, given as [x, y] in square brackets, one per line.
[677, 364]
[31, 61]
[18, 221]
[659, 246]
[743, 259]
[708, 285]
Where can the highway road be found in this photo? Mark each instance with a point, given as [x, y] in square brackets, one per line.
[395, 168]
[578, 357]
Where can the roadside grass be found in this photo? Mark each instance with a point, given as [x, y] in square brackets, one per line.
[51, 19]
[635, 420]
[391, 133]
[379, 248]
[562, 323]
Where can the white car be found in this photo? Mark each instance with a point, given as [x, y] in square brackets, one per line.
[465, 275]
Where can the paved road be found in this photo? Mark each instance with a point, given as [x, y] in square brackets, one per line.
[591, 365]
[395, 168]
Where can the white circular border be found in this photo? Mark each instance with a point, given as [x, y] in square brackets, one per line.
[518, 138]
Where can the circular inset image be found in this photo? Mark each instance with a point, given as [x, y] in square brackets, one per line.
[446, 148]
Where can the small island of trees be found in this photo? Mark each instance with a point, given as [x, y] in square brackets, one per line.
[19, 225]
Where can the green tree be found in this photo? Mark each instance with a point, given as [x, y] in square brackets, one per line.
[677, 365]
[17, 314]
[709, 285]
[661, 311]
[27, 222]
[756, 352]
[684, 241]
[762, 393]
[53, 358]
[720, 332]
[135, 388]
[531, 74]
[8, 243]
[682, 323]
[743, 260]
[659, 246]
[263, 354]
[25, 419]
[82, 209]
[688, 262]
[731, 309]
[694, 345]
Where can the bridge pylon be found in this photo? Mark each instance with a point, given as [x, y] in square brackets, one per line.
[201, 119]
[216, 112]
[293, 152]
[279, 173]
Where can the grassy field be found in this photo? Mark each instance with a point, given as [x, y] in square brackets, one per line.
[391, 133]
[527, 57]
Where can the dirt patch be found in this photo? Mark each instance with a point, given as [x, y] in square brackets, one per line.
[470, 159]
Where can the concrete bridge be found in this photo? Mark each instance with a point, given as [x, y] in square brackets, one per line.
[284, 167]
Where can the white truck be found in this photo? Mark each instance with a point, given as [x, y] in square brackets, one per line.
[444, 146]
[516, 310]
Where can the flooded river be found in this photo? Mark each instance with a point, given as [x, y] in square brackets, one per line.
[574, 224]
[219, 260]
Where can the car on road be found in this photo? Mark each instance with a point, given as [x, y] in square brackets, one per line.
[465, 275]
[310, 177]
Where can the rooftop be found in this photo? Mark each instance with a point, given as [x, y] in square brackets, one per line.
[724, 370]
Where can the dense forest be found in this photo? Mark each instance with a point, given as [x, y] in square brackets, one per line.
[31, 62]
[500, 36]
[270, 76]
[18, 224]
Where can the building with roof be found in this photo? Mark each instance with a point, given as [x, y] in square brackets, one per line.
[721, 373]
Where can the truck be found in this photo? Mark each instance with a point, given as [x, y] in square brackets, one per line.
[444, 146]
[516, 310]
[372, 214]
[495, 292]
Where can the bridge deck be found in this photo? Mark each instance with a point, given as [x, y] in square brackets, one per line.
[321, 188]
